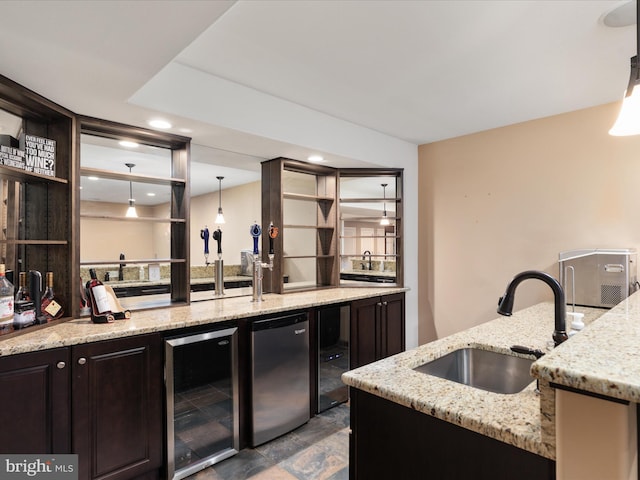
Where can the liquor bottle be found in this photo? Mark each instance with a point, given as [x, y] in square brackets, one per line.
[23, 291]
[50, 305]
[98, 300]
[6, 302]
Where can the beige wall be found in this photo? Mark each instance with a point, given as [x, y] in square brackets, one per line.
[506, 200]
[241, 207]
[103, 240]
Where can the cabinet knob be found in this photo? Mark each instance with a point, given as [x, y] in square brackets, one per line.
[379, 304]
[82, 361]
[61, 365]
[384, 303]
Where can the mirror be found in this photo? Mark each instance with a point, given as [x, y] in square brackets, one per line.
[368, 226]
[135, 260]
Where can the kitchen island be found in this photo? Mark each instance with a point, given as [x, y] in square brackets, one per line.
[524, 420]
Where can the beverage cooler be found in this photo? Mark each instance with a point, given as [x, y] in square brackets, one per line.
[333, 355]
[202, 400]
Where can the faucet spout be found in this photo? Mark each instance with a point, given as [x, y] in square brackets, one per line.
[364, 255]
[505, 304]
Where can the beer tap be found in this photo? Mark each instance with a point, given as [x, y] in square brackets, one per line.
[258, 265]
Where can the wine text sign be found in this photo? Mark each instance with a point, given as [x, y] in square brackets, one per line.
[40, 155]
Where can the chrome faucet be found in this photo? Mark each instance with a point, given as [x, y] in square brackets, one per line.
[364, 256]
[505, 304]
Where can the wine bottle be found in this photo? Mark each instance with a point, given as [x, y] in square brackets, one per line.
[50, 305]
[6, 302]
[99, 300]
[23, 291]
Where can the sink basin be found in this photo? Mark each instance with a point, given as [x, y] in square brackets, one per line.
[483, 369]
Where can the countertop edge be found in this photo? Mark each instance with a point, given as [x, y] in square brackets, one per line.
[80, 331]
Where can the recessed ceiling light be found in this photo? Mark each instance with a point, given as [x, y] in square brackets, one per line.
[151, 194]
[160, 124]
[128, 144]
[93, 178]
[316, 158]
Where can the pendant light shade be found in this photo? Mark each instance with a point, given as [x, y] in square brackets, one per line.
[131, 211]
[385, 220]
[220, 216]
[628, 122]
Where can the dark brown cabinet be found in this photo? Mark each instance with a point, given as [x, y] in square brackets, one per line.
[34, 394]
[377, 328]
[389, 440]
[117, 408]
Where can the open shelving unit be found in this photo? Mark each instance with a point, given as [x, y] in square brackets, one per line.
[178, 216]
[300, 199]
[37, 210]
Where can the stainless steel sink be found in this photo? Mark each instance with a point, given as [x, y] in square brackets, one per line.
[483, 369]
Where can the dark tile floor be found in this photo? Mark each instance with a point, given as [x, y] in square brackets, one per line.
[317, 450]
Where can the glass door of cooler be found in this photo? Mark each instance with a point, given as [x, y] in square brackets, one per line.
[202, 400]
[333, 355]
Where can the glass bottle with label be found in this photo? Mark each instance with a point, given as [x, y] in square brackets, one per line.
[99, 300]
[23, 291]
[6, 302]
[50, 305]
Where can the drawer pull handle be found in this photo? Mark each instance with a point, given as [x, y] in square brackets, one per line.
[82, 361]
[61, 365]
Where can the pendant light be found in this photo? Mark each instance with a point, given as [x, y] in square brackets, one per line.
[131, 211]
[384, 221]
[220, 216]
[628, 122]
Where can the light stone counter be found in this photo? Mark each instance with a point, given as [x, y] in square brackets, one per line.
[515, 419]
[79, 331]
[602, 359]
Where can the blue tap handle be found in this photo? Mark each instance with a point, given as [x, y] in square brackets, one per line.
[204, 234]
[255, 232]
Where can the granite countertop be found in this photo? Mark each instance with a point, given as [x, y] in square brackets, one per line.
[603, 358]
[515, 419]
[79, 331]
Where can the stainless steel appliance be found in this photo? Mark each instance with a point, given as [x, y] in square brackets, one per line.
[202, 400]
[333, 355]
[280, 390]
[599, 277]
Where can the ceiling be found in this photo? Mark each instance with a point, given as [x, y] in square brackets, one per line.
[413, 71]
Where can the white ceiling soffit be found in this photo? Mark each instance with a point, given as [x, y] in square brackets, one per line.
[417, 71]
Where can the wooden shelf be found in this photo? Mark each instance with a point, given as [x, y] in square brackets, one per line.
[307, 256]
[133, 261]
[302, 196]
[134, 219]
[34, 242]
[130, 177]
[310, 227]
[370, 200]
[20, 175]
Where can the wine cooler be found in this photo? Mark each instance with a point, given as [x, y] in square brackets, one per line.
[202, 400]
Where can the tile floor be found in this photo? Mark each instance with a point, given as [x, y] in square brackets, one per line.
[318, 450]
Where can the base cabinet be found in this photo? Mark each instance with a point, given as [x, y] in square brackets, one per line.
[389, 440]
[34, 394]
[377, 328]
[117, 408]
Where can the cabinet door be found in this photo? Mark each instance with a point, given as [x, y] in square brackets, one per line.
[392, 325]
[117, 407]
[34, 394]
[364, 331]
